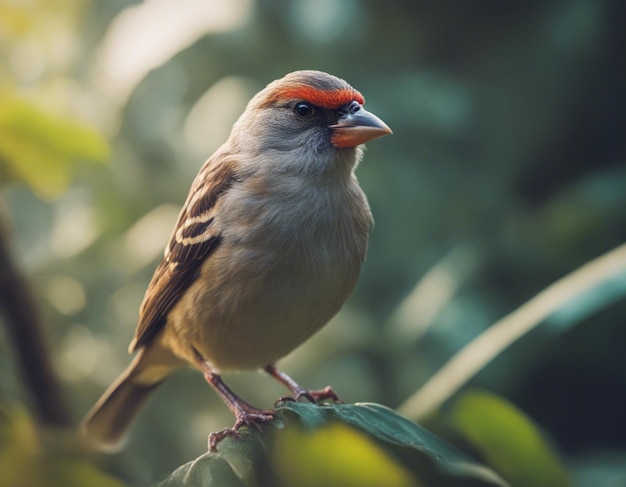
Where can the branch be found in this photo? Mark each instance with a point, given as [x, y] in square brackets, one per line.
[478, 353]
[25, 335]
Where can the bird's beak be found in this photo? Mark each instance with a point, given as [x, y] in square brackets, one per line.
[357, 127]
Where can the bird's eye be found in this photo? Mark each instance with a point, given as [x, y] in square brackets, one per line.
[303, 110]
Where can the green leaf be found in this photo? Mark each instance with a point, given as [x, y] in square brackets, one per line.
[40, 149]
[358, 445]
[508, 440]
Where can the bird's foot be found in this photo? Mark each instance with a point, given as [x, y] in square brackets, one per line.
[246, 416]
[326, 394]
[315, 397]
[300, 392]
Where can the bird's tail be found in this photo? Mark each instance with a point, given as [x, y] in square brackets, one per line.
[106, 423]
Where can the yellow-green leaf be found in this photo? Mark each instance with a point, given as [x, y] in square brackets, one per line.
[40, 149]
[508, 440]
[336, 454]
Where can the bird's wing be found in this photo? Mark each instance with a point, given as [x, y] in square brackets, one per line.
[193, 239]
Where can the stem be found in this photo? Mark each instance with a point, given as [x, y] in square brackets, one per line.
[25, 336]
[484, 348]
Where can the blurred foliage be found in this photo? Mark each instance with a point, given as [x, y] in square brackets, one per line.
[39, 149]
[508, 440]
[345, 445]
[505, 172]
[30, 458]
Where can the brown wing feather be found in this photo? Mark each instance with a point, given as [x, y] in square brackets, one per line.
[192, 240]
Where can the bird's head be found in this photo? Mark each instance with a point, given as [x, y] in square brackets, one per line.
[315, 117]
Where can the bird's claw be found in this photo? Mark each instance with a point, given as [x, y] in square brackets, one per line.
[314, 397]
[247, 418]
[323, 395]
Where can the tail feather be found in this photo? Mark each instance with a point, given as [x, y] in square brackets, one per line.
[108, 420]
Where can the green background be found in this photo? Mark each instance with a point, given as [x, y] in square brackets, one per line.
[506, 171]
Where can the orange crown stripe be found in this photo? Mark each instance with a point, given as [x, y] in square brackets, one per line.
[325, 99]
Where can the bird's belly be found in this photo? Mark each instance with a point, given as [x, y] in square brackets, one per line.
[262, 306]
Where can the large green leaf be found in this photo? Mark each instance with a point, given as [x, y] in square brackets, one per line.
[336, 445]
[508, 440]
[40, 149]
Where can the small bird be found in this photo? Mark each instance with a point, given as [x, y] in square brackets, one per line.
[267, 247]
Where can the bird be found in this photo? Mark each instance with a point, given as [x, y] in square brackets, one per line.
[267, 247]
